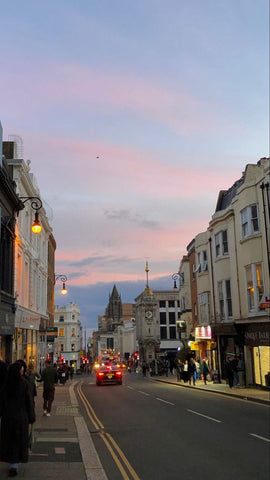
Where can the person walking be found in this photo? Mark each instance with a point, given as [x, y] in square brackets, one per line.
[192, 371]
[17, 412]
[185, 371]
[229, 371]
[49, 379]
[179, 370]
[204, 370]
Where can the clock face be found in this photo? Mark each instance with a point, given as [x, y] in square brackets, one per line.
[148, 314]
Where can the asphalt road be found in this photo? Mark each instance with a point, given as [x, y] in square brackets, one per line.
[154, 431]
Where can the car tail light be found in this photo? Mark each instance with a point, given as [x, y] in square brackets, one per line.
[100, 374]
[118, 374]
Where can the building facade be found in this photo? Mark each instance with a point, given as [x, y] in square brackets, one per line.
[230, 274]
[68, 340]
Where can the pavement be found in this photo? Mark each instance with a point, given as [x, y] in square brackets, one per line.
[62, 446]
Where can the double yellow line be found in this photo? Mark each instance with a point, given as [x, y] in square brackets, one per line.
[126, 470]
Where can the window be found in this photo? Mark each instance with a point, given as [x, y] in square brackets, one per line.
[73, 332]
[225, 299]
[249, 221]
[62, 347]
[163, 333]
[255, 288]
[171, 303]
[171, 317]
[172, 332]
[204, 308]
[73, 316]
[110, 343]
[72, 347]
[61, 318]
[61, 332]
[162, 304]
[162, 317]
[202, 261]
[221, 243]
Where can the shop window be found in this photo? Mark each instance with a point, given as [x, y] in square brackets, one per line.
[249, 221]
[255, 288]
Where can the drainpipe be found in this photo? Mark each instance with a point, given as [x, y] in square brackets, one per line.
[214, 307]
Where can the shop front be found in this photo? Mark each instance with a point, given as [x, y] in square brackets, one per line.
[257, 353]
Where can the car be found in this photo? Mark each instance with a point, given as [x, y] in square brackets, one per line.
[109, 374]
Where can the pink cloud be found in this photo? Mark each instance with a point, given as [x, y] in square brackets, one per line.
[57, 86]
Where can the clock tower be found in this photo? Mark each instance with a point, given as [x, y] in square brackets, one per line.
[147, 323]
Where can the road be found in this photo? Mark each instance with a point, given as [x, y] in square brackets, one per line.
[147, 430]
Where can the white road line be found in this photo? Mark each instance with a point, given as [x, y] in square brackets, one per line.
[131, 388]
[261, 438]
[144, 393]
[165, 401]
[205, 416]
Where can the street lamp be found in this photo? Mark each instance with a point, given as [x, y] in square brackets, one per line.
[36, 204]
[63, 278]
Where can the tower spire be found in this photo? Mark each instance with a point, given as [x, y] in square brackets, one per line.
[147, 270]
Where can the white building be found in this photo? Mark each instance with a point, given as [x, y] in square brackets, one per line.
[68, 343]
[31, 268]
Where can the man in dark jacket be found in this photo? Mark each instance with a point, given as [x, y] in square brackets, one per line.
[49, 379]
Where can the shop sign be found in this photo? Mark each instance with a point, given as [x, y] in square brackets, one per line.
[203, 333]
[51, 333]
[258, 335]
[265, 302]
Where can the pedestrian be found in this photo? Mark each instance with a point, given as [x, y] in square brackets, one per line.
[204, 370]
[179, 370]
[49, 379]
[229, 371]
[235, 371]
[17, 412]
[71, 372]
[185, 371]
[144, 368]
[32, 377]
[192, 371]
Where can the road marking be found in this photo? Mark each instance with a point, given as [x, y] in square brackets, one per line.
[261, 438]
[165, 401]
[131, 388]
[205, 416]
[144, 393]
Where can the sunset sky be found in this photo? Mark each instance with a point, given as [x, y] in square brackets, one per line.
[134, 115]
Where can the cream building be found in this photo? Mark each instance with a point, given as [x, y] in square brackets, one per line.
[232, 278]
[31, 269]
[68, 342]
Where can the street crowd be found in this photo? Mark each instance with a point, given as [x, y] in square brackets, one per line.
[18, 389]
